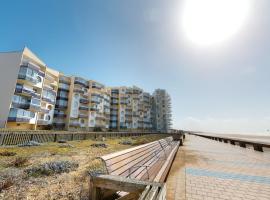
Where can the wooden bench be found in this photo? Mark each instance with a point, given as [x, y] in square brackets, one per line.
[149, 162]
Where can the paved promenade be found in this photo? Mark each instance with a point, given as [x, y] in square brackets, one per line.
[205, 169]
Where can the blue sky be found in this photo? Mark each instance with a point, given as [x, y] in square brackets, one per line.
[221, 88]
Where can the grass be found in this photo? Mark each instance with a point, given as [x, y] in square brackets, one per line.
[7, 153]
[19, 162]
[57, 184]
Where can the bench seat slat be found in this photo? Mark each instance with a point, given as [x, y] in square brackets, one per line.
[131, 155]
[138, 160]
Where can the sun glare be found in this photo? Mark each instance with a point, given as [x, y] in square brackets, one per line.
[209, 22]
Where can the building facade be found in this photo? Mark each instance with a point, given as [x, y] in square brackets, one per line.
[38, 97]
[161, 110]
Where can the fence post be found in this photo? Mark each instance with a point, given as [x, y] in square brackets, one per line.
[2, 139]
[72, 137]
[55, 137]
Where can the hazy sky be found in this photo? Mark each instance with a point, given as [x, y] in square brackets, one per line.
[224, 87]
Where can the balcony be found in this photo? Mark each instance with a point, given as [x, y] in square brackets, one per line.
[78, 90]
[95, 100]
[49, 77]
[83, 116]
[20, 89]
[30, 73]
[83, 108]
[81, 81]
[23, 105]
[43, 122]
[48, 87]
[44, 110]
[64, 79]
[20, 115]
[63, 86]
[93, 109]
[75, 124]
[60, 115]
[59, 123]
[49, 100]
[84, 101]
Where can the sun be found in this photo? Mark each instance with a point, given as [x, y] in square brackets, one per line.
[210, 22]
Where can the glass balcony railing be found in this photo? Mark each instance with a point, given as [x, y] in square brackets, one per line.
[20, 115]
[83, 116]
[84, 101]
[75, 124]
[83, 108]
[63, 86]
[20, 89]
[81, 81]
[43, 122]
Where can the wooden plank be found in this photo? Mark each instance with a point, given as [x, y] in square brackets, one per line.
[145, 192]
[162, 193]
[130, 155]
[119, 153]
[130, 196]
[165, 168]
[119, 183]
[139, 160]
[152, 194]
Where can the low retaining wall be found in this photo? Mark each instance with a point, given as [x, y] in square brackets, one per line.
[257, 146]
[19, 137]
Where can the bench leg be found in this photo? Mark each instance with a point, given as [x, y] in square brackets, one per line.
[242, 144]
[258, 148]
[181, 142]
[94, 192]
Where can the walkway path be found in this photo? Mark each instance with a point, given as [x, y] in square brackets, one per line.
[205, 169]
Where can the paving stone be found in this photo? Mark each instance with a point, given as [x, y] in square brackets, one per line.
[207, 169]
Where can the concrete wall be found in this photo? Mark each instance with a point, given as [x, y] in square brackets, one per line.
[9, 66]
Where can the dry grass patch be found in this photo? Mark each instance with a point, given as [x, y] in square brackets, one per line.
[7, 153]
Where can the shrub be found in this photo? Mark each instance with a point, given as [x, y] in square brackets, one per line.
[99, 145]
[126, 142]
[6, 183]
[7, 153]
[19, 162]
[10, 176]
[49, 168]
[29, 144]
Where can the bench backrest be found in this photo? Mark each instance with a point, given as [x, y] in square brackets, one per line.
[142, 162]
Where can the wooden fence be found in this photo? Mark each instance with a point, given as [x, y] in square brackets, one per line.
[20, 137]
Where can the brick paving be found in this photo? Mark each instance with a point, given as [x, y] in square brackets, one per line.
[205, 169]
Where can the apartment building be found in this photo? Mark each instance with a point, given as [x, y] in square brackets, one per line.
[39, 97]
[28, 89]
[130, 109]
[161, 110]
[100, 102]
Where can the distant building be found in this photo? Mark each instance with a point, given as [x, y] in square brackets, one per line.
[161, 110]
[34, 96]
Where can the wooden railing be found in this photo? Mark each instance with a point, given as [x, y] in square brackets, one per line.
[11, 137]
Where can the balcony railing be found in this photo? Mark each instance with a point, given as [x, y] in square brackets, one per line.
[83, 108]
[84, 101]
[75, 124]
[83, 116]
[43, 122]
[49, 100]
[20, 115]
[44, 110]
[60, 115]
[81, 81]
[23, 90]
